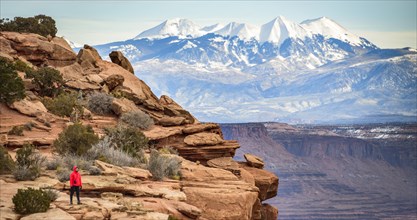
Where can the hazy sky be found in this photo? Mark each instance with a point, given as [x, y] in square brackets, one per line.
[388, 24]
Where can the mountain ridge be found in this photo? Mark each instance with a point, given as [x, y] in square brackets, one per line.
[226, 78]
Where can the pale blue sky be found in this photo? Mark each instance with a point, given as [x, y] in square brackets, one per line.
[388, 24]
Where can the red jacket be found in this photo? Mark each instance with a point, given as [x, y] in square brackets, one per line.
[75, 178]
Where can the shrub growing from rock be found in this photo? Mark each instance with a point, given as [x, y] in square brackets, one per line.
[11, 87]
[28, 201]
[6, 162]
[138, 119]
[63, 174]
[128, 139]
[48, 81]
[16, 130]
[162, 165]
[63, 105]
[105, 152]
[75, 139]
[100, 103]
[28, 163]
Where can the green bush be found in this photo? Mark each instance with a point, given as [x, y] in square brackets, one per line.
[29, 125]
[138, 119]
[168, 150]
[28, 201]
[6, 162]
[39, 24]
[105, 152]
[16, 130]
[81, 161]
[51, 193]
[129, 140]
[22, 66]
[75, 139]
[48, 81]
[162, 165]
[28, 163]
[63, 105]
[11, 86]
[100, 103]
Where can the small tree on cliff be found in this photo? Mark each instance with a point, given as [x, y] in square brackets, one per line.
[40, 24]
[11, 86]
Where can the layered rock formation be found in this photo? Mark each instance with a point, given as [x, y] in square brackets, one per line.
[234, 191]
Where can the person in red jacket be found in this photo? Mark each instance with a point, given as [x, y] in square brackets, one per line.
[76, 184]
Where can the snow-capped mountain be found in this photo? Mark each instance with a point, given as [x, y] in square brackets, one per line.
[174, 27]
[316, 71]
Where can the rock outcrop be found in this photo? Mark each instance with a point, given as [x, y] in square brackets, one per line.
[212, 185]
[118, 58]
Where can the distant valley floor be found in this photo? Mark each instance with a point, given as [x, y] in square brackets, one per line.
[336, 172]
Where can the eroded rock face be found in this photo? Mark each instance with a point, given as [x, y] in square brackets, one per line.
[218, 193]
[36, 49]
[118, 58]
[114, 80]
[269, 212]
[266, 181]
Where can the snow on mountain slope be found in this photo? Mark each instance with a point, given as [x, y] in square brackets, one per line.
[172, 27]
[279, 29]
[243, 31]
[330, 28]
[227, 74]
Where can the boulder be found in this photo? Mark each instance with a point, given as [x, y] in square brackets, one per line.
[30, 108]
[118, 58]
[203, 138]
[171, 121]
[171, 108]
[86, 59]
[205, 153]
[50, 214]
[254, 161]
[123, 105]
[114, 81]
[266, 181]
[269, 212]
[157, 132]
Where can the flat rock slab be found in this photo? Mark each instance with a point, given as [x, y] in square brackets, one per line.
[254, 161]
[204, 138]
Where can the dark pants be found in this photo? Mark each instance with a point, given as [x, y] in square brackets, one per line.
[77, 192]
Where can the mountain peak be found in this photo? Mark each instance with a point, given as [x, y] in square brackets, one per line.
[329, 28]
[242, 30]
[172, 27]
[279, 29]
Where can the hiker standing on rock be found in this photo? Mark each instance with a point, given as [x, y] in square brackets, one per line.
[76, 184]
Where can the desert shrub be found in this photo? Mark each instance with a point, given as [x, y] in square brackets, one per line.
[48, 81]
[161, 165]
[138, 119]
[11, 86]
[75, 139]
[22, 66]
[94, 171]
[47, 124]
[63, 174]
[28, 163]
[27, 201]
[100, 103]
[16, 130]
[6, 162]
[29, 125]
[63, 105]
[105, 152]
[168, 150]
[129, 140]
[54, 163]
[51, 193]
[81, 161]
[39, 24]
